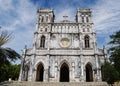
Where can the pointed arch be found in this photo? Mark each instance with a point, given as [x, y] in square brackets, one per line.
[64, 73]
[45, 29]
[83, 29]
[87, 19]
[82, 19]
[42, 41]
[86, 41]
[89, 72]
[40, 72]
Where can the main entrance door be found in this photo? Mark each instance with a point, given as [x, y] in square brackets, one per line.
[89, 73]
[64, 73]
[40, 73]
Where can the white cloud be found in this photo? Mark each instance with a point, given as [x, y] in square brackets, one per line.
[6, 5]
[19, 18]
[65, 12]
[106, 14]
[106, 19]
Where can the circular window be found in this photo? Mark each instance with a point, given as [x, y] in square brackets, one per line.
[64, 42]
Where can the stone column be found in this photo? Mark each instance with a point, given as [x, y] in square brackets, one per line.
[30, 76]
[73, 71]
[82, 68]
[21, 69]
[56, 71]
[70, 74]
[32, 65]
[45, 75]
[97, 69]
[48, 55]
[47, 70]
[21, 76]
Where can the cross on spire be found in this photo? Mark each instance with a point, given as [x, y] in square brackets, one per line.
[65, 17]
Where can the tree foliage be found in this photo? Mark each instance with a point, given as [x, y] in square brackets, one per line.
[111, 70]
[6, 56]
[9, 71]
[115, 50]
[109, 73]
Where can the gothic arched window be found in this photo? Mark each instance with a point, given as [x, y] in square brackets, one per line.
[86, 39]
[42, 41]
[42, 18]
[46, 18]
[88, 30]
[45, 29]
[83, 29]
[87, 19]
[82, 19]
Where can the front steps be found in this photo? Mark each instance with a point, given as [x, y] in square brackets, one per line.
[23, 83]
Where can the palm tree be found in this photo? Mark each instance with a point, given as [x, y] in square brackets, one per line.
[6, 54]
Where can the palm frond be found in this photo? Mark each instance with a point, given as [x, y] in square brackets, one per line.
[7, 54]
[11, 54]
[4, 37]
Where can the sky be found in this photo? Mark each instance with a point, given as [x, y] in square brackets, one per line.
[19, 17]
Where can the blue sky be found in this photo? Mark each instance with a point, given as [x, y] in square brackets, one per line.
[19, 18]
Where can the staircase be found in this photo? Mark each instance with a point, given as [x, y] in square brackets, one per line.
[23, 83]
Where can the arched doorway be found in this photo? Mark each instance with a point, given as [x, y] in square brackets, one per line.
[64, 73]
[40, 73]
[89, 73]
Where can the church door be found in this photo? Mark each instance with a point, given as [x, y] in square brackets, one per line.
[64, 73]
[40, 73]
[89, 73]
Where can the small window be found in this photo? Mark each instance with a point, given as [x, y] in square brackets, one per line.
[42, 18]
[83, 19]
[87, 19]
[86, 40]
[42, 41]
[88, 30]
[45, 29]
[41, 29]
[83, 29]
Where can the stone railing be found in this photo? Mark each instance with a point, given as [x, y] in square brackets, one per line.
[63, 52]
[15, 83]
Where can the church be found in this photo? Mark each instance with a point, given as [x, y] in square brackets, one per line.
[64, 51]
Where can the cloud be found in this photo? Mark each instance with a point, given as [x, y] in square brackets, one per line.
[106, 19]
[70, 12]
[18, 17]
[6, 5]
[106, 14]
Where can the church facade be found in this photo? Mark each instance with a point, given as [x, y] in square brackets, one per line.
[64, 51]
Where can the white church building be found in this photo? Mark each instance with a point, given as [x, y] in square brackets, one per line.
[64, 51]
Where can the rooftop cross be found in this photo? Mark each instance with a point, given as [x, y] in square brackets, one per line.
[65, 17]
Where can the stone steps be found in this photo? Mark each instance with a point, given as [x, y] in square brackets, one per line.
[23, 83]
